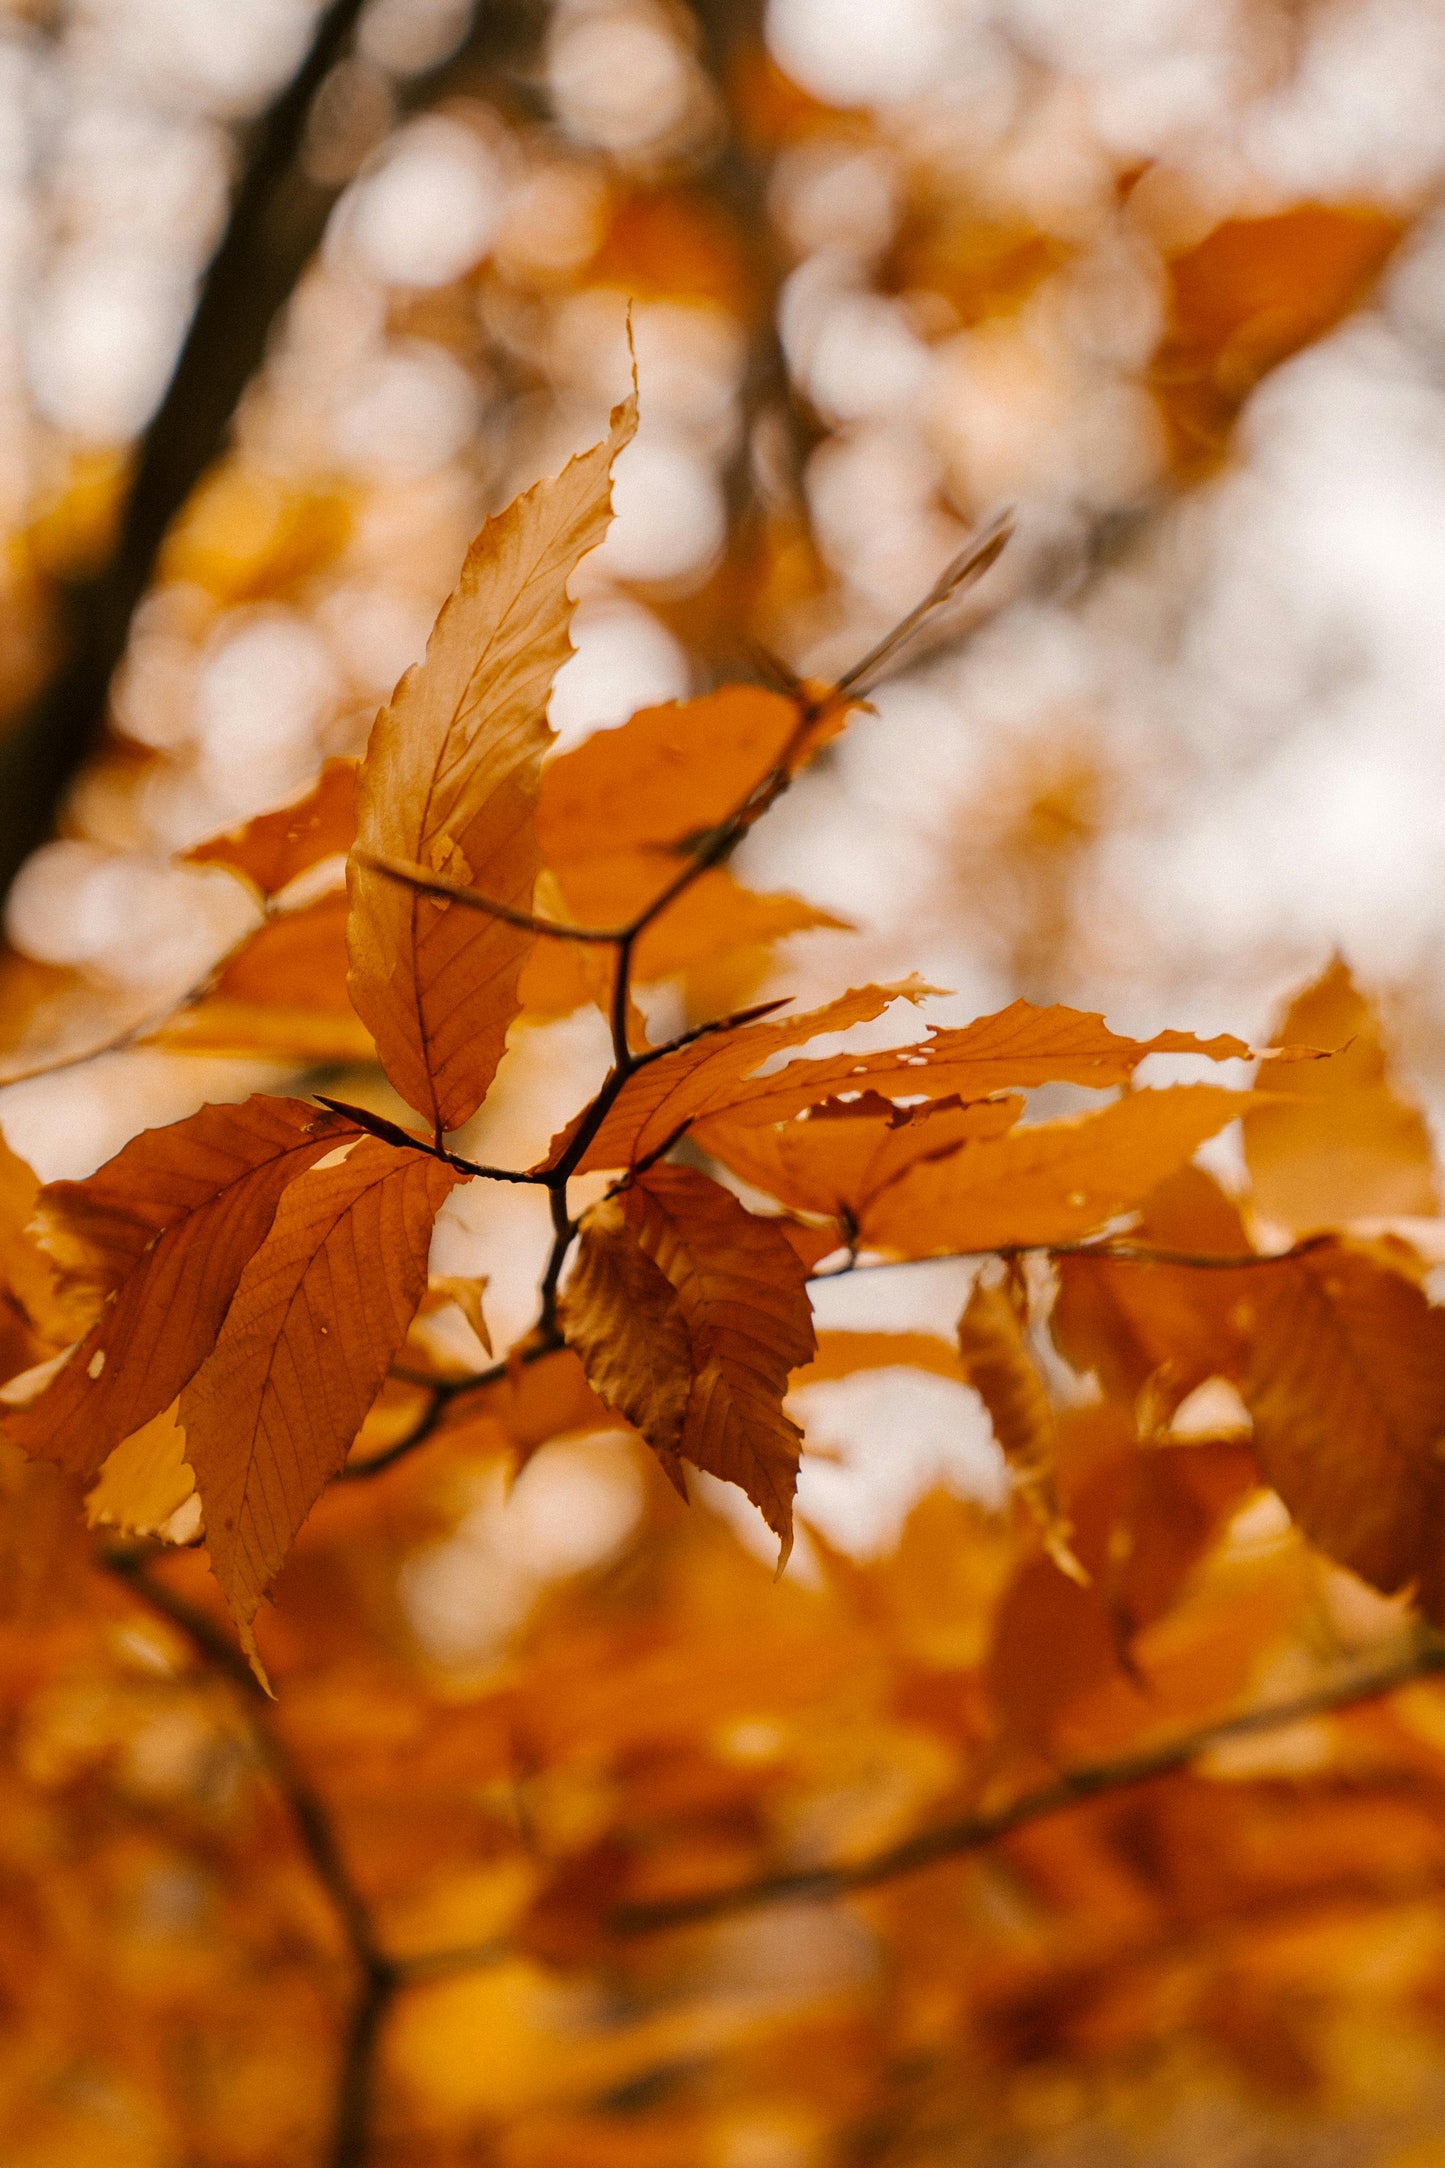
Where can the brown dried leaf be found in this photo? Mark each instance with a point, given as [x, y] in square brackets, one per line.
[1344, 1376]
[450, 781]
[319, 1312]
[689, 1313]
[169, 1224]
[1344, 1145]
[622, 1315]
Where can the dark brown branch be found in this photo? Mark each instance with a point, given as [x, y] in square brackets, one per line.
[445, 1392]
[276, 221]
[951, 1840]
[377, 1125]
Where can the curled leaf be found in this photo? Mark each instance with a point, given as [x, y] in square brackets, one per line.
[689, 1313]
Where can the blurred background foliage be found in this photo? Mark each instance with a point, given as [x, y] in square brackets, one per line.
[1169, 279]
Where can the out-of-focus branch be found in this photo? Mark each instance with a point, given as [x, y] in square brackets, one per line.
[377, 1977]
[1423, 1658]
[276, 220]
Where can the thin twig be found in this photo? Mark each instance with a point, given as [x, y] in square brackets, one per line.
[446, 1393]
[970, 564]
[973, 1831]
[377, 1125]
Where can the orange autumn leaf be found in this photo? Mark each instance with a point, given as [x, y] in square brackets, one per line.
[170, 1223]
[688, 1313]
[1344, 1375]
[1246, 297]
[617, 815]
[450, 782]
[534, 1403]
[1345, 1144]
[271, 850]
[29, 1275]
[145, 1482]
[842, 1154]
[271, 1414]
[1146, 1323]
[1020, 1047]
[715, 918]
[1049, 1182]
[718, 1076]
[621, 1314]
[841, 1354]
[669, 774]
[709, 1075]
[1140, 1523]
[53, 1016]
[283, 994]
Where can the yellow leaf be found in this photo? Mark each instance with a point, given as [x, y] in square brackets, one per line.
[1344, 1145]
[146, 1481]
